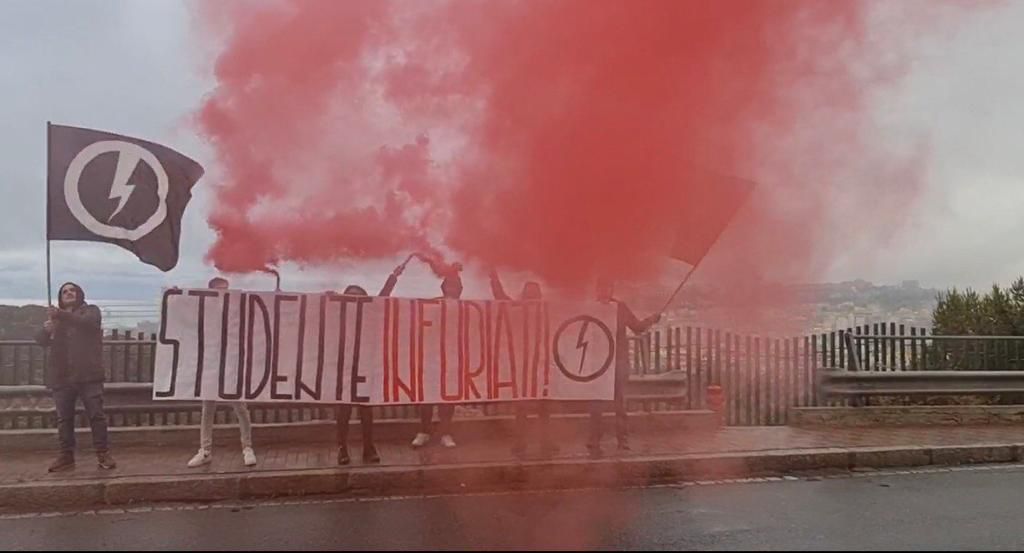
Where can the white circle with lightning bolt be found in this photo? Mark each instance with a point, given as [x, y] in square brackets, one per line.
[129, 156]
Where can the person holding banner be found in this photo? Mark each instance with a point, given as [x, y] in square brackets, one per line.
[205, 454]
[74, 335]
[451, 288]
[531, 292]
[343, 412]
[626, 320]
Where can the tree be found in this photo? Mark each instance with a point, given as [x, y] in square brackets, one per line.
[1000, 312]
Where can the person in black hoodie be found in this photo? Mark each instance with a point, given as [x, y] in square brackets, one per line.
[74, 371]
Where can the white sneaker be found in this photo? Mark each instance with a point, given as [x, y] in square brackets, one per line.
[202, 457]
[248, 457]
[447, 440]
[420, 440]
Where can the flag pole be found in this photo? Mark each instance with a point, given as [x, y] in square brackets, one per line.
[678, 288]
[49, 284]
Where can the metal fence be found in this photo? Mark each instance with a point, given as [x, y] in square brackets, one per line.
[761, 377]
[129, 358]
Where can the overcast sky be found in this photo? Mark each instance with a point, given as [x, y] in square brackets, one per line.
[134, 67]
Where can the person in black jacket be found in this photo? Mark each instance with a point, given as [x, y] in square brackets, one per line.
[451, 289]
[531, 292]
[74, 371]
[626, 321]
[343, 412]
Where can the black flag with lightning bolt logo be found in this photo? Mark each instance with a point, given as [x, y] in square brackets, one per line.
[105, 187]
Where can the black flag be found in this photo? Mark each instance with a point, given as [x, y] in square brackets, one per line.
[104, 187]
[710, 204]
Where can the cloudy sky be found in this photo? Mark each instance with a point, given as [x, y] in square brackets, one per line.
[136, 67]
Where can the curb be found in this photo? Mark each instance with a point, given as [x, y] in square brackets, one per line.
[905, 415]
[321, 431]
[483, 477]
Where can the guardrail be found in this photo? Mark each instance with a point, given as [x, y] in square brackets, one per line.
[837, 383]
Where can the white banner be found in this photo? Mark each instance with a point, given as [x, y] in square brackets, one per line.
[233, 345]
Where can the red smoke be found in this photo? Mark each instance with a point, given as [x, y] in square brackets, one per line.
[557, 138]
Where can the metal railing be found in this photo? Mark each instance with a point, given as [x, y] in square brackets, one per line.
[128, 363]
[874, 352]
[761, 377]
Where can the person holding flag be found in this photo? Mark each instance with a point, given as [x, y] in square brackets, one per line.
[74, 371]
[626, 321]
[103, 187]
[709, 207]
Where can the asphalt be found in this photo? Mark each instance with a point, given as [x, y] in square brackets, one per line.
[939, 509]
[158, 474]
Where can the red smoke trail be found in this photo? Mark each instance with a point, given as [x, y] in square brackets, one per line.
[551, 137]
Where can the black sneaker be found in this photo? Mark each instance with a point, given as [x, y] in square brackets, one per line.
[343, 458]
[370, 455]
[65, 461]
[105, 461]
[594, 451]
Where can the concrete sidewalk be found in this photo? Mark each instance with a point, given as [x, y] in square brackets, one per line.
[481, 463]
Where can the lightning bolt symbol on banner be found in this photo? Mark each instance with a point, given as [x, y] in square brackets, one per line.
[126, 163]
[583, 344]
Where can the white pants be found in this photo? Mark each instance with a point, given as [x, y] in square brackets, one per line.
[206, 427]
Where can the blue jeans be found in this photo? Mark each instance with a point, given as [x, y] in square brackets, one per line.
[91, 394]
